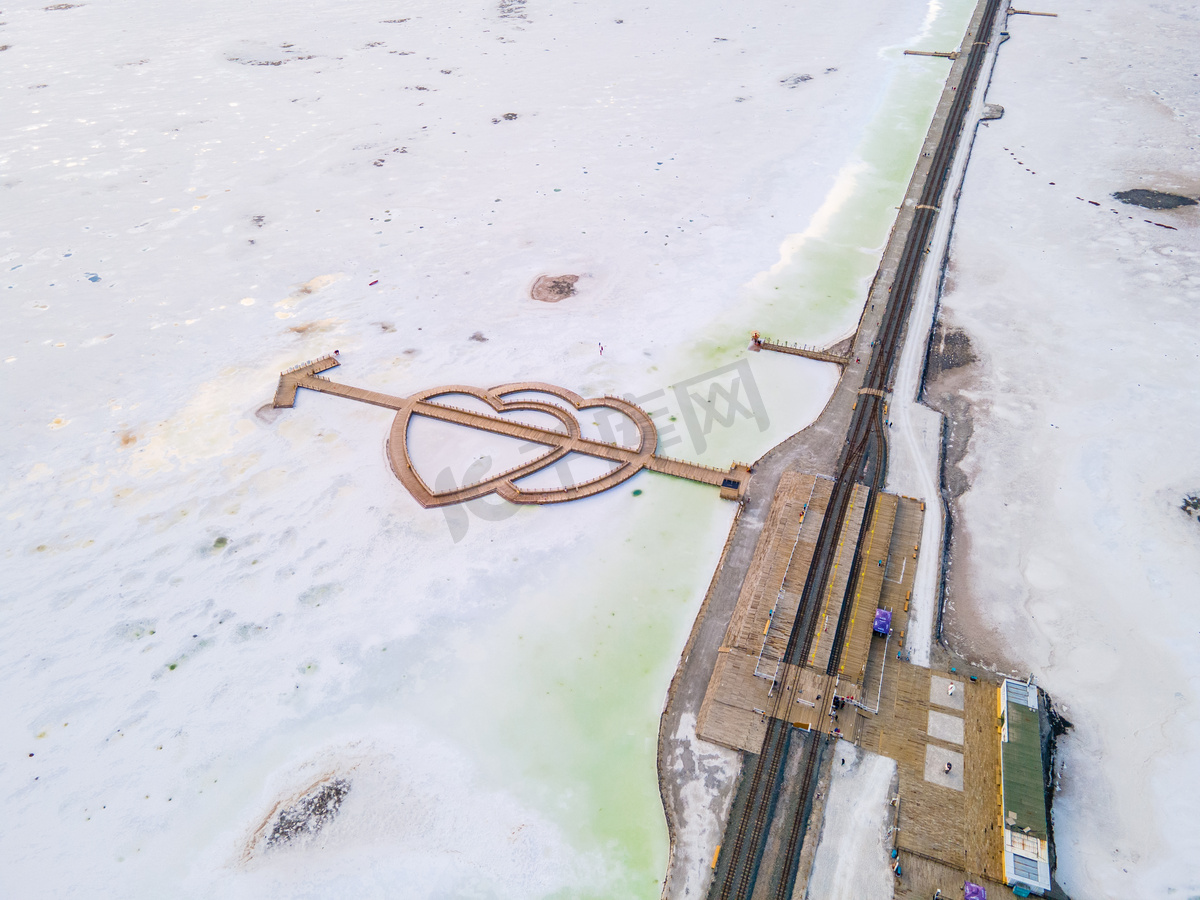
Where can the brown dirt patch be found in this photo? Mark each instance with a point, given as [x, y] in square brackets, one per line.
[318, 327]
[552, 288]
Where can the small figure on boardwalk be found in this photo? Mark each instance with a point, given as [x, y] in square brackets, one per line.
[601, 349]
[950, 689]
[949, 766]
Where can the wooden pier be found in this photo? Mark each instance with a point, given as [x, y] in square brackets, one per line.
[627, 460]
[797, 350]
[953, 54]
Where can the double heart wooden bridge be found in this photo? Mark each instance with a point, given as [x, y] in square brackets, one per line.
[509, 401]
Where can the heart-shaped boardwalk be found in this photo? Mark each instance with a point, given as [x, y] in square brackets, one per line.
[628, 460]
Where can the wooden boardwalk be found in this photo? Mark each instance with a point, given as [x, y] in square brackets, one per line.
[739, 703]
[800, 351]
[750, 681]
[628, 461]
[895, 593]
[762, 623]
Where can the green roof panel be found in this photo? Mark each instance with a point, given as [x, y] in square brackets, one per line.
[1021, 759]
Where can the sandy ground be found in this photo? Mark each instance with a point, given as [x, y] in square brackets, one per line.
[1072, 559]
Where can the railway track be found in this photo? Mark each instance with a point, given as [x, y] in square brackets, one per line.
[864, 460]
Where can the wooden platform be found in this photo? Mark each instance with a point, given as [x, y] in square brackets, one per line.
[875, 547]
[922, 878]
[750, 681]
[787, 602]
[948, 824]
[835, 592]
[952, 819]
[868, 587]
[767, 609]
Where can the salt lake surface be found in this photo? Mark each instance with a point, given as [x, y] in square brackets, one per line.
[210, 607]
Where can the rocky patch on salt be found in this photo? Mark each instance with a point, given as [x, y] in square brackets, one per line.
[552, 288]
[950, 348]
[1191, 505]
[306, 817]
[1153, 199]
